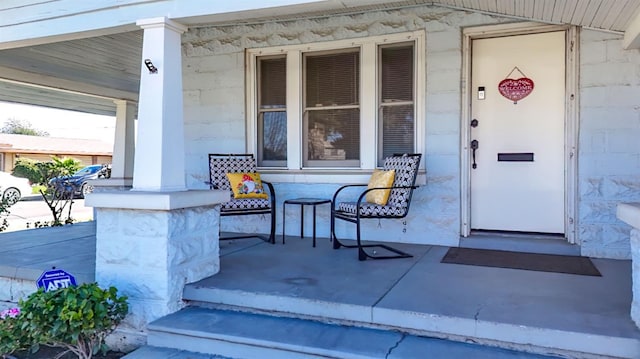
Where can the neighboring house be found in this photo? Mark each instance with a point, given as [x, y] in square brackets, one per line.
[322, 91]
[42, 148]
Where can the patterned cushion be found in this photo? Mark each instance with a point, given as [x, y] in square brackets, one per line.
[246, 185]
[245, 203]
[370, 209]
[220, 166]
[406, 168]
[380, 179]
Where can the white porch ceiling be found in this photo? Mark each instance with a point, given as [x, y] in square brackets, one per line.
[61, 74]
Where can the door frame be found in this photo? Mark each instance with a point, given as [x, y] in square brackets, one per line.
[570, 122]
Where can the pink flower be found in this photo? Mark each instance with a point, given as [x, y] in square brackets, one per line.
[11, 313]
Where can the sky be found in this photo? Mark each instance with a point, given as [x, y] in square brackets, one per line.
[60, 123]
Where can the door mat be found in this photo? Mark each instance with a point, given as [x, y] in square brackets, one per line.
[519, 260]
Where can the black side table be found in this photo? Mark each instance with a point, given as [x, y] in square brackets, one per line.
[302, 202]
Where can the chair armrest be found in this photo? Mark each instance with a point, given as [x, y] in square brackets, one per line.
[335, 195]
[272, 193]
[363, 194]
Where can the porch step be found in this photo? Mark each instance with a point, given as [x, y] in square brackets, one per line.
[247, 335]
[536, 312]
[147, 352]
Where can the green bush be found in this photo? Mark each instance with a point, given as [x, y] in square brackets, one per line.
[75, 318]
[41, 172]
[10, 334]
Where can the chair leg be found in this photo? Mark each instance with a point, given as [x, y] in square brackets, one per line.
[272, 236]
[336, 243]
[363, 255]
[270, 239]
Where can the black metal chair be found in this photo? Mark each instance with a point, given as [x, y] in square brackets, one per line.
[219, 166]
[406, 171]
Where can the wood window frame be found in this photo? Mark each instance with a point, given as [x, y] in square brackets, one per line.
[295, 171]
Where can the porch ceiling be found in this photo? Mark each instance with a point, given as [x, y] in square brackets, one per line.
[81, 75]
[88, 74]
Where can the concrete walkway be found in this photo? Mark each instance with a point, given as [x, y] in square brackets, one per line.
[573, 313]
[26, 254]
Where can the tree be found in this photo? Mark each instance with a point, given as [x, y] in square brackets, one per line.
[19, 127]
[41, 172]
[59, 195]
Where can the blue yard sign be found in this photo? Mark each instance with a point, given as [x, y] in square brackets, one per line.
[55, 279]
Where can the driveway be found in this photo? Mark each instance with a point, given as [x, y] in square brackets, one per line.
[32, 209]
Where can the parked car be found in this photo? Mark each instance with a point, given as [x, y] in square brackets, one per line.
[79, 180]
[13, 188]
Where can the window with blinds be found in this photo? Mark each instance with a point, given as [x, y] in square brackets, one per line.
[396, 123]
[343, 104]
[331, 118]
[272, 111]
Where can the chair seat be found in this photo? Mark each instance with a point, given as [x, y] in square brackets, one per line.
[246, 203]
[370, 209]
[405, 167]
[220, 165]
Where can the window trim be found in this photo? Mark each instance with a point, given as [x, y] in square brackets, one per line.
[259, 131]
[369, 84]
[380, 104]
[307, 110]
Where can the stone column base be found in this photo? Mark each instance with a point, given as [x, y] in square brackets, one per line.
[150, 244]
[630, 214]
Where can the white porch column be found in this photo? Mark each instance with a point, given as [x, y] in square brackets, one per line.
[124, 144]
[123, 151]
[159, 157]
[155, 238]
[630, 214]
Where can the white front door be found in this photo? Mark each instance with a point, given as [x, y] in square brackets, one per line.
[518, 182]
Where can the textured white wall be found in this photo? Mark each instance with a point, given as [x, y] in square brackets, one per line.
[609, 124]
[609, 152]
[214, 113]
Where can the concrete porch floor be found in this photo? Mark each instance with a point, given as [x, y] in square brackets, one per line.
[531, 310]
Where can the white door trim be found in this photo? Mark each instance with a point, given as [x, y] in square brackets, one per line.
[571, 116]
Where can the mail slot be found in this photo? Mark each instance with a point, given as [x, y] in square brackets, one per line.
[515, 157]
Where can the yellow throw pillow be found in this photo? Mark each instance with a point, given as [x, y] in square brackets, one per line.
[246, 185]
[380, 178]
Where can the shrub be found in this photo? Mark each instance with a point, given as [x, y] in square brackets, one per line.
[76, 318]
[41, 172]
[10, 334]
[4, 215]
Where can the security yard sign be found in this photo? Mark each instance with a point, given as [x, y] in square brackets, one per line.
[55, 279]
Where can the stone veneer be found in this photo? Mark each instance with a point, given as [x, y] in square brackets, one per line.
[150, 253]
[630, 214]
[609, 154]
[14, 289]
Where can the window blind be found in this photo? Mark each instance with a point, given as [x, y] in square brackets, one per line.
[396, 111]
[332, 114]
[272, 115]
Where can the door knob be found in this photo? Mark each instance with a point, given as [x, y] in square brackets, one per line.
[474, 123]
[474, 147]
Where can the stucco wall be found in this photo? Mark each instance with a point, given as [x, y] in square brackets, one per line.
[609, 154]
[214, 111]
[214, 81]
